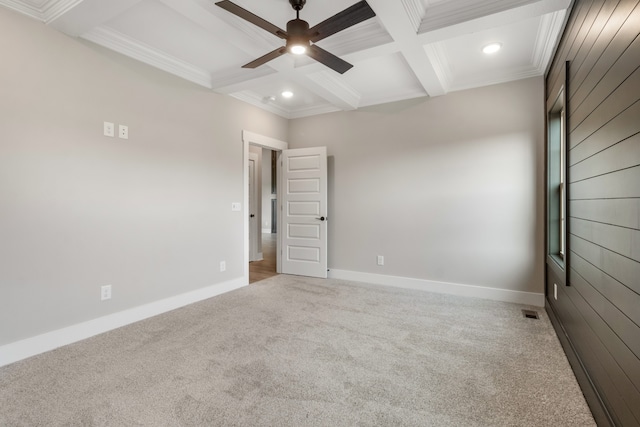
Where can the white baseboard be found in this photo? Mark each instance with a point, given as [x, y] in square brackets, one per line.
[23, 349]
[496, 294]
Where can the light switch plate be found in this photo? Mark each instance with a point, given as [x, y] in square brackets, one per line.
[235, 207]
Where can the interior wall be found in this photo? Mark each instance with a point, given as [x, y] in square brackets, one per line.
[598, 307]
[447, 189]
[150, 215]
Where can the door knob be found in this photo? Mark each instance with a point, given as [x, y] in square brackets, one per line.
[251, 216]
[322, 218]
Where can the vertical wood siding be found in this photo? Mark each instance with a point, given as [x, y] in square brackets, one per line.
[599, 308]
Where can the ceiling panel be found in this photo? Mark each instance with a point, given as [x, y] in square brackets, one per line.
[371, 79]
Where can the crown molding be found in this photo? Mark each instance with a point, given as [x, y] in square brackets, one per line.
[548, 35]
[24, 8]
[415, 11]
[132, 48]
[54, 9]
[46, 12]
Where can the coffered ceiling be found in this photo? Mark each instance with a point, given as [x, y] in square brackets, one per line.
[412, 48]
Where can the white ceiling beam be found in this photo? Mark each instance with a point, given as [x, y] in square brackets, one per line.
[395, 19]
[79, 17]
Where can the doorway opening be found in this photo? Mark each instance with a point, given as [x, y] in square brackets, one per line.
[263, 214]
[256, 142]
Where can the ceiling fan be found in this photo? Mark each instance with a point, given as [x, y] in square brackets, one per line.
[300, 39]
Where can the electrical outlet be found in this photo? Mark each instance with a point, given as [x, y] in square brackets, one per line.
[223, 265]
[109, 129]
[105, 292]
[555, 291]
[380, 260]
[123, 132]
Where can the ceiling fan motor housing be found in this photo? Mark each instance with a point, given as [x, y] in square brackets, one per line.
[297, 4]
[298, 33]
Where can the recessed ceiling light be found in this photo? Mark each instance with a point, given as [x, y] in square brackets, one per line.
[287, 94]
[492, 48]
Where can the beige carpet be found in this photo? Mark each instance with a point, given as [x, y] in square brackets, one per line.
[292, 351]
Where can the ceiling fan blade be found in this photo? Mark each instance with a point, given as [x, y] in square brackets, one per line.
[266, 58]
[254, 19]
[328, 59]
[353, 15]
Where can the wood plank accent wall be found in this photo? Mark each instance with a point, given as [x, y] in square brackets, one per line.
[597, 311]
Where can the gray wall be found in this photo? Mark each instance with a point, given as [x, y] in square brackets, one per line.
[446, 189]
[600, 308]
[151, 215]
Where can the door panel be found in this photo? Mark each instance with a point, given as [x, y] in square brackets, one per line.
[304, 219]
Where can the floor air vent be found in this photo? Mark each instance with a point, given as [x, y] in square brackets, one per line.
[530, 314]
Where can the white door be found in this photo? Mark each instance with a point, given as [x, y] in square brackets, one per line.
[304, 212]
[253, 206]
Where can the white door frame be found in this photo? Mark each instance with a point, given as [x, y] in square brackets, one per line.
[250, 138]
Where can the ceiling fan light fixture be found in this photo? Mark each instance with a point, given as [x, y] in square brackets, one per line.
[492, 48]
[298, 49]
[298, 41]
